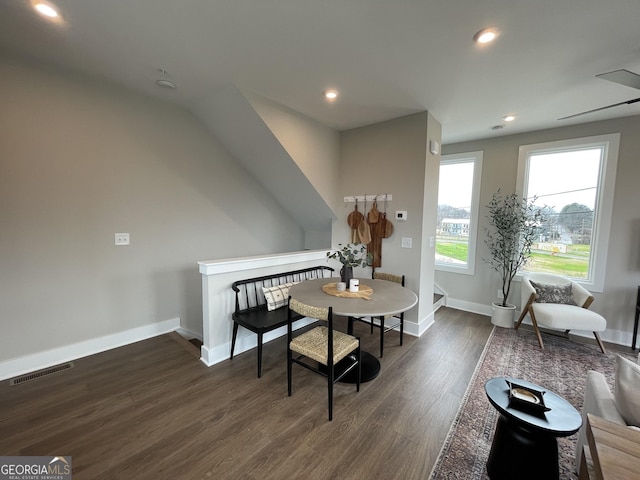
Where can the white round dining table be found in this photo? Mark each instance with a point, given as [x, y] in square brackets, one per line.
[387, 298]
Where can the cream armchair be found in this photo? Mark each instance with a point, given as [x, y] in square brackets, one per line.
[556, 302]
[620, 406]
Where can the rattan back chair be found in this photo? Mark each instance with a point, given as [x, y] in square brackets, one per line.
[322, 349]
[381, 324]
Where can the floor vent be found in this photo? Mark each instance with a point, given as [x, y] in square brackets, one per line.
[40, 373]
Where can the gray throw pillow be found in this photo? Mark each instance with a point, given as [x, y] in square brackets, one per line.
[549, 293]
[627, 390]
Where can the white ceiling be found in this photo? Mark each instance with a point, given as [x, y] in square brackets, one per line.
[388, 58]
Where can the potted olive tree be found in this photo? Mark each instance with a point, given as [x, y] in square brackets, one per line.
[513, 227]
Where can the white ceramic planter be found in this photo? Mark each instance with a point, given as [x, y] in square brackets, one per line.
[503, 316]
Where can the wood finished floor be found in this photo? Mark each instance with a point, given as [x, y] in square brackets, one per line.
[152, 410]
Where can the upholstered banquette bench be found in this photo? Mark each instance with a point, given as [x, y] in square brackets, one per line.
[260, 302]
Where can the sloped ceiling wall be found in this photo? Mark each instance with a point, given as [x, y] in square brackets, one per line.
[235, 122]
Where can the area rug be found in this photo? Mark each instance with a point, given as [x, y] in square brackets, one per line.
[561, 367]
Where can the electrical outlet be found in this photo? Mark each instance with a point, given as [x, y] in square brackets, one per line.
[122, 239]
[500, 295]
[407, 242]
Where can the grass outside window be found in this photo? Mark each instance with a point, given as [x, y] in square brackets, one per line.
[574, 263]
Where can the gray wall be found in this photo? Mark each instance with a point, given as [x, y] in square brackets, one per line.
[315, 149]
[262, 143]
[81, 160]
[391, 157]
[500, 164]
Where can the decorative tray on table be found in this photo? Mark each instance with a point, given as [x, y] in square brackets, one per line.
[364, 291]
[526, 398]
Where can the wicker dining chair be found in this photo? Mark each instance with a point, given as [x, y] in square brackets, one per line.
[399, 317]
[323, 345]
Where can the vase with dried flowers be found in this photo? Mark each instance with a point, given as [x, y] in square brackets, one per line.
[350, 255]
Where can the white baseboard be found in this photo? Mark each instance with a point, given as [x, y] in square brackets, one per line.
[188, 334]
[211, 356]
[217, 354]
[472, 307]
[412, 328]
[423, 326]
[612, 336]
[55, 356]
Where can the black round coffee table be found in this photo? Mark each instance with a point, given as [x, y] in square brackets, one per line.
[525, 443]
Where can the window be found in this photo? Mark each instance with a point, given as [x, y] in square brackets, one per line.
[458, 198]
[574, 180]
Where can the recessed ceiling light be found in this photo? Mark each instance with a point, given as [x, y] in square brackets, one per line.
[496, 127]
[486, 35]
[509, 118]
[46, 9]
[330, 94]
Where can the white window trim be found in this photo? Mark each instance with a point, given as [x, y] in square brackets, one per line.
[604, 202]
[470, 267]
